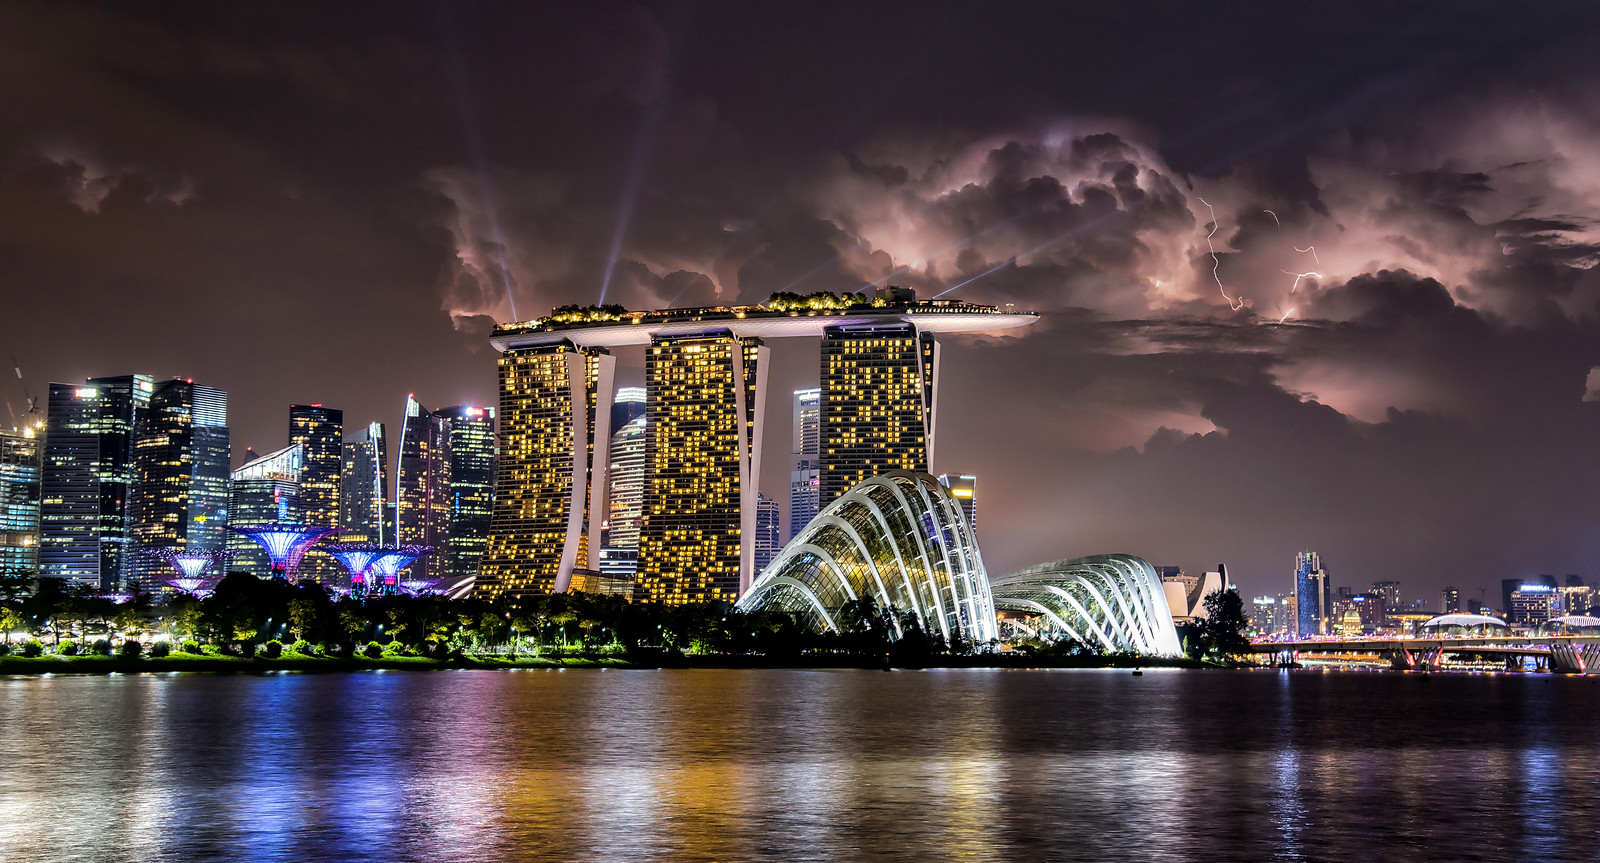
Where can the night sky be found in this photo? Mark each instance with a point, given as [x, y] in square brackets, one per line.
[335, 202]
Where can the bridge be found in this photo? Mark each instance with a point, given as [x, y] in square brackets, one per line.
[1570, 654]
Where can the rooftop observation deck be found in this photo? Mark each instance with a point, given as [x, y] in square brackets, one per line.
[614, 327]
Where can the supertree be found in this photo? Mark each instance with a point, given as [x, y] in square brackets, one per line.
[194, 566]
[388, 566]
[284, 543]
[357, 558]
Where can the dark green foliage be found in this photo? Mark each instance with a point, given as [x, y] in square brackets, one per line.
[31, 648]
[191, 647]
[373, 650]
[67, 648]
[130, 648]
[1220, 635]
[160, 649]
[101, 647]
[272, 649]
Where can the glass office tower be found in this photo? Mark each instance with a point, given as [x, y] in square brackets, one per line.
[180, 458]
[320, 430]
[21, 468]
[364, 486]
[88, 478]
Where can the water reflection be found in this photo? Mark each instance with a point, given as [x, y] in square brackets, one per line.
[799, 765]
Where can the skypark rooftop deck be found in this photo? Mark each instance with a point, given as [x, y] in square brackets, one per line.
[614, 328]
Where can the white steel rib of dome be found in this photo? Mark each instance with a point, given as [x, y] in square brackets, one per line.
[900, 538]
[1114, 602]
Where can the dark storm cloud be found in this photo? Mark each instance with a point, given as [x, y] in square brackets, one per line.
[335, 204]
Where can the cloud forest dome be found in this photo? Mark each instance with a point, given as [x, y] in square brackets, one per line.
[1112, 601]
[899, 538]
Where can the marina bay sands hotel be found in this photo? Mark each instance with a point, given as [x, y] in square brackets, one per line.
[705, 386]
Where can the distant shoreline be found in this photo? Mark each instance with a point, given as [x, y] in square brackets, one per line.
[19, 665]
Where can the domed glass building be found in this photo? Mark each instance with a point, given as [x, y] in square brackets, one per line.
[899, 538]
[1113, 602]
[1465, 625]
[1572, 624]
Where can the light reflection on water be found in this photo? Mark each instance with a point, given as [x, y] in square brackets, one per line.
[800, 765]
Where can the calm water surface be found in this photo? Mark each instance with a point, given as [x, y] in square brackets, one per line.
[800, 765]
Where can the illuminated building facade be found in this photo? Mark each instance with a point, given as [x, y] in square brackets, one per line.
[88, 477]
[320, 430]
[768, 533]
[964, 488]
[804, 468]
[1313, 596]
[422, 484]
[21, 466]
[1450, 601]
[364, 486]
[627, 406]
[266, 490]
[877, 403]
[898, 538]
[181, 496]
[626, 495]
[1533, 604]
[552, 452]
[883, 392]
[702, 451]
[471, 446]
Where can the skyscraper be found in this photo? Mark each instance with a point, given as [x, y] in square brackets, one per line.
[627, 406]
[471, 451]
[21, 467]
[1313, 597]
[422, 486]
[364, 486]
[804, 469]
[552, 439]
[266, 490]
[1450, 601]
[180, 461]
[626, 496]
[767, 539]
[964, 488]
[702, 450]
[88, 477]
[877, 410]
[320, 431]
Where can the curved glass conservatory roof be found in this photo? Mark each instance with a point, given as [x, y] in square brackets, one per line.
[1114, 602]
[899, 538]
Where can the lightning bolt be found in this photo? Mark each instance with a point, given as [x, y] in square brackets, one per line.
[1287, 314]
[1274, 218]
[1298, 277]
[1216, 262]
[1312, 250]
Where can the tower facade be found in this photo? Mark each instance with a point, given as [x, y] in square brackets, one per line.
[422, 485]
[320, 432]
[364, 486]
[552, 452]
[88, 477]
[21, 466]
[180, 458]
[804, 469]
[625, 498]
[471, 448]
[1313, 598]
[703, 429]
[877, 403]
[768, 539]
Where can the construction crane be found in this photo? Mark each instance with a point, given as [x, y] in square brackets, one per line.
[33, 411]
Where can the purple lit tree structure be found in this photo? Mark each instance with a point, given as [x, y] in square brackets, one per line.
[357, 558]
[194, 566]
[285, 543]
[388, 566]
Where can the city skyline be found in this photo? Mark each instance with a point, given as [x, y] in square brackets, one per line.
[1415, 399]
